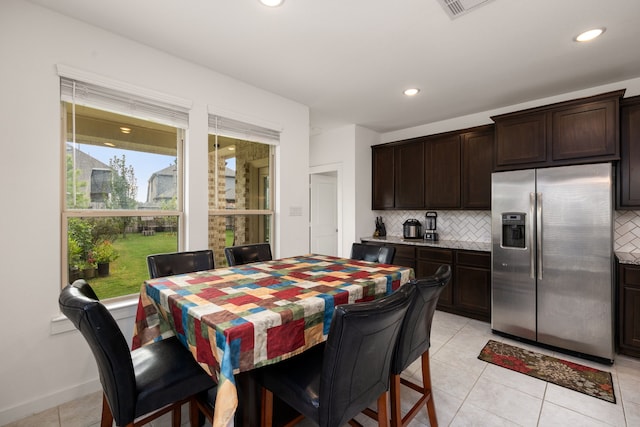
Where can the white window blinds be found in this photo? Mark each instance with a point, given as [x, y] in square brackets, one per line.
[91, 95]
[232, 128]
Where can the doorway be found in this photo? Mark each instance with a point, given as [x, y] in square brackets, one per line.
[325, 224]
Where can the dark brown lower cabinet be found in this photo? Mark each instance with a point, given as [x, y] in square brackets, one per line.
[628, 327]
[427, 262]
[405, 255]
[469, 292]
[472, 291]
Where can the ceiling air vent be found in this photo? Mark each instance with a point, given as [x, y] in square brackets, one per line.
[456, 8]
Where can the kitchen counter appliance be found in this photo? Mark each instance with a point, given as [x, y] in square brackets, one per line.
[412, 229]
[430, 226]
[381, 229]
[552, 258]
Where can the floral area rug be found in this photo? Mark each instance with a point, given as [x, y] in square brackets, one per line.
[587, 380]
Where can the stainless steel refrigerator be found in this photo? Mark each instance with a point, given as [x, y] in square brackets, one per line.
[552, 257]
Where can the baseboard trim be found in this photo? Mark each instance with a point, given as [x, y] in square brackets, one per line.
[42, 403]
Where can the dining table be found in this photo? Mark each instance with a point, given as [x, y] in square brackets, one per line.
[239, 318]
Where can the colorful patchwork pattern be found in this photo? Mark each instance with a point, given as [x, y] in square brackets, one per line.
[239, 318]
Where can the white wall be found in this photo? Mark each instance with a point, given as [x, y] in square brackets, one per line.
[365, 218]
[334, 151]
[40, 369]
[348, 149]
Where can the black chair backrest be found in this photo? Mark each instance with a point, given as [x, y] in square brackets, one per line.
[244, 254]
[80, 304]
[161, 265]
[358, 354]
[373, 253]
[416, 329]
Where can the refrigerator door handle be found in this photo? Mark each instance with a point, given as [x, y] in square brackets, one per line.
[539, 233]
[532, 249]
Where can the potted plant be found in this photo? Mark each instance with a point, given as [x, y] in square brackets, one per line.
[88, 268]
[104, 253]
[74, 259]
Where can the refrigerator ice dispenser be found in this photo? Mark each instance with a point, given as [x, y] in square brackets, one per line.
[513, 231]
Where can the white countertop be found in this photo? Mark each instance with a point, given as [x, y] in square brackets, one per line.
[628, 257]
[448, 244]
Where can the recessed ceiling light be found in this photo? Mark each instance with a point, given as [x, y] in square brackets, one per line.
[411, 92]
[272, 3]
[109, 144]
[589, 35]
[125, 129]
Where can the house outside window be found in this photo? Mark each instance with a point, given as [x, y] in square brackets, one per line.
[122, 163]
[240, 184]
[100, 184]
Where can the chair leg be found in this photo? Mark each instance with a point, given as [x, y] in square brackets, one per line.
[396, 414]
[426, 383]
[194, 413]
[383, 415]
[176, 416]
[107, 416]
[266, 412]
[426, 398]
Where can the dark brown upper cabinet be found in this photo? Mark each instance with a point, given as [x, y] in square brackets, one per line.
[442, 174]
[458, 169]
[445, 171]
[477, 165]
[584, 130]
[383, 179]
[521, 140]
[409, 174]
[629, 170]
[398, 175]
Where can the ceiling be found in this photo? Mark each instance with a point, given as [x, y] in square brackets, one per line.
[350, 60]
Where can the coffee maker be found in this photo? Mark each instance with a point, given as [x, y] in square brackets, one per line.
[430, 227]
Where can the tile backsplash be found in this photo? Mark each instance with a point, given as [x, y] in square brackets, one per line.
[468, 226]
[475, 226]
[627, 232]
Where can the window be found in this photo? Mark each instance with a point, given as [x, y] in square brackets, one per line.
[122, 195]
[240, 184]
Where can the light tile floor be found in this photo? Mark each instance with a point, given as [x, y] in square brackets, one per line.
[467, 391]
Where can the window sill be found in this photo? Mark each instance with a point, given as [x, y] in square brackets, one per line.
[121, 309]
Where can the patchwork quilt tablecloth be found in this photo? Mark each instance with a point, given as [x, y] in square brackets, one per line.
[239, 318]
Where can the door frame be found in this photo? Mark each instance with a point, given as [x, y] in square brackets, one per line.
[323, 170]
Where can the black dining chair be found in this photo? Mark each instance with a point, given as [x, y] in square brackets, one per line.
[244, 254]
[373, 253]
[140, 385]
[168, 264]
[333, 382]
[414, 342]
